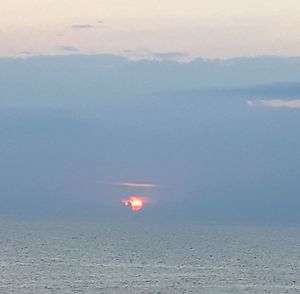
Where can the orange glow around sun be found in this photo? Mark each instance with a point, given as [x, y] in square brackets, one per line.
[135, 202]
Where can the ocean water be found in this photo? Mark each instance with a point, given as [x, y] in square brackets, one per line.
[94, 257]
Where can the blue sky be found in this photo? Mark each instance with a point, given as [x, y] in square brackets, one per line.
[219, 138]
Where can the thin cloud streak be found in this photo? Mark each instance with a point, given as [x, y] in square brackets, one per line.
[275, 103]
[138, 185]
[67, 49]
[162, 56]
[82, 26]
[170, 55]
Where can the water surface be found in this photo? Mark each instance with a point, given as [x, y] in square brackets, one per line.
[95, 257]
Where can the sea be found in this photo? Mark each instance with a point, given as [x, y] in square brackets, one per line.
[90, 256]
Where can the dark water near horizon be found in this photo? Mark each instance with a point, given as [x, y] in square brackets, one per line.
[90, 257]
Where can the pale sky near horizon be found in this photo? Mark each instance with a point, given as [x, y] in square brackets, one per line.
[214, 29]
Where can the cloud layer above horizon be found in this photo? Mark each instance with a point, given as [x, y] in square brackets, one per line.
[73, 126]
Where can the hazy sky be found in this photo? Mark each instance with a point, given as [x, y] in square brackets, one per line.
[216, 140]
[139, 28]
[213, 140]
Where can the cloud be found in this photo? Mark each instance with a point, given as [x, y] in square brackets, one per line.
[169, 55]
[67, 48]
[164, 56]
[137, 185]
[27, 53]
[275, 103]
[82, 26]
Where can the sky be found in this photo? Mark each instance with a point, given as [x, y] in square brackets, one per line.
[140, 28]
[193, 105]
[208, 141]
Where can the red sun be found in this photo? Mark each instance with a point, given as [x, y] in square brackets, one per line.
[135, 202]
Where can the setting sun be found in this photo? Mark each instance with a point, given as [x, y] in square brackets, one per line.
[135, 202]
